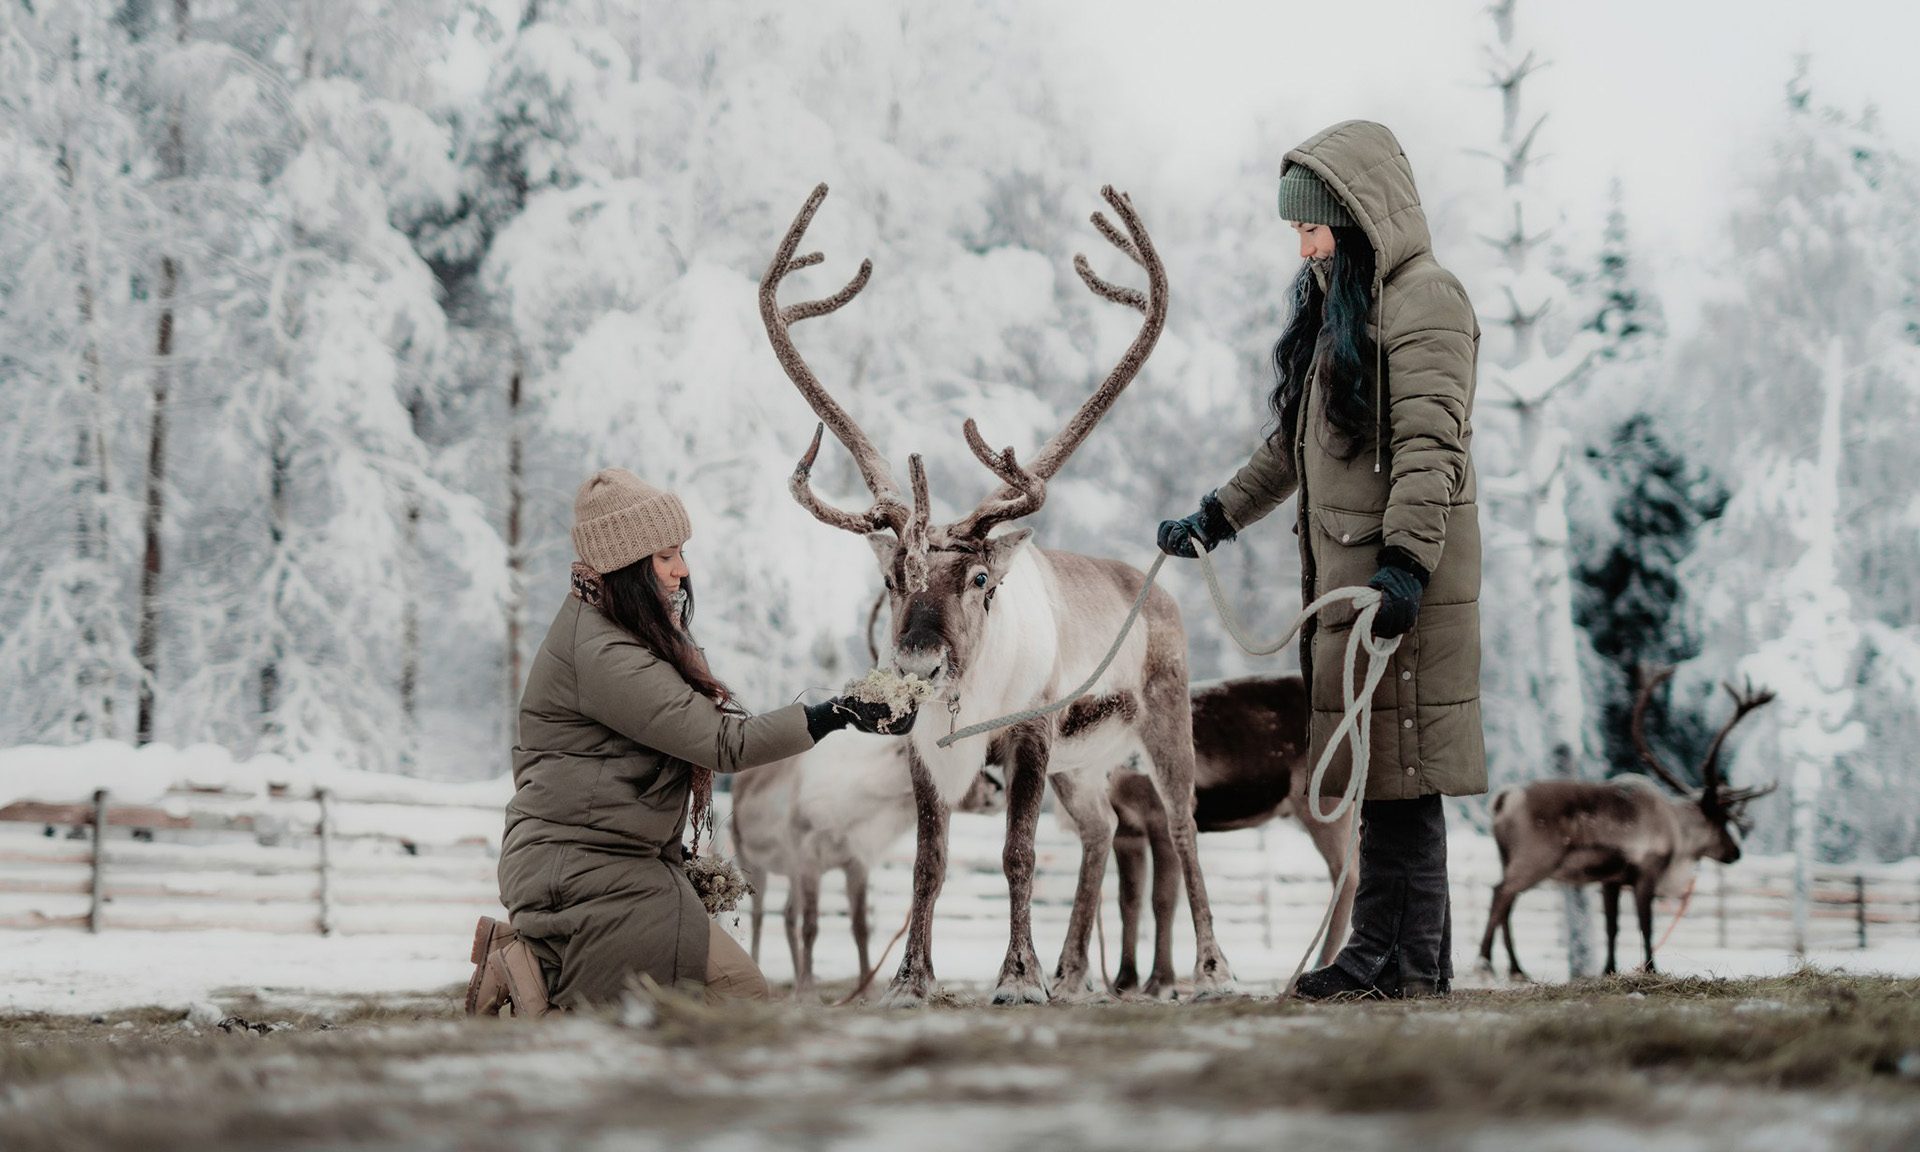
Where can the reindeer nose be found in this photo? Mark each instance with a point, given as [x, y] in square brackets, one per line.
[925, 663]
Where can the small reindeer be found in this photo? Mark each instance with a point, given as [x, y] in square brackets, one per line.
[1250, 766]
[1619, 833]
[842, 804]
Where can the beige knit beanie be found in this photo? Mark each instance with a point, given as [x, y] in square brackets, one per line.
[620, 519]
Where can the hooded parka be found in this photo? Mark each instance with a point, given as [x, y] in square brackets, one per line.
[590, 866]
[1416, 491]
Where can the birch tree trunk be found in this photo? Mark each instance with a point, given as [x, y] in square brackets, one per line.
[1527, 379]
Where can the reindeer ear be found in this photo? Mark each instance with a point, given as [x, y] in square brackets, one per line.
[1002, 549]
[884, 545]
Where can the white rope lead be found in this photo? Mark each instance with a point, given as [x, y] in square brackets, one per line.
[1356, 720]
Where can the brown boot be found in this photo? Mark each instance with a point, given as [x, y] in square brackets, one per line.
[526, 984]
[487, 988]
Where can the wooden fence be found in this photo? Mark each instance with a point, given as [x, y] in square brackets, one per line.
[312, 862]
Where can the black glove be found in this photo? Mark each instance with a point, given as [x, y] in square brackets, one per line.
[1209, 526]
[865, 715]
[1401, 581]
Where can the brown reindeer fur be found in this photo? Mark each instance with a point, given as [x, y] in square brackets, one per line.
[1249, 737]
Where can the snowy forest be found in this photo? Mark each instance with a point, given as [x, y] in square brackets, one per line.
[314, 315]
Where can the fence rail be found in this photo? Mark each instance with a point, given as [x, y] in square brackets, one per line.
[306, 863]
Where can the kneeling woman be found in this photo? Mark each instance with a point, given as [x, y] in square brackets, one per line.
[622, 727]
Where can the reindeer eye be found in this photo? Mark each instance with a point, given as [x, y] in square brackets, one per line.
[979, 579]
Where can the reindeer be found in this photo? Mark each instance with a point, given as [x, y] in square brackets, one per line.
[1250, 766]
[839, 805]
[1619, 833]
[1000, 625]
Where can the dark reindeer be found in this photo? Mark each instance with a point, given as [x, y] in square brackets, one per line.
[999, 625]
[1250, 766]
[1619, 833]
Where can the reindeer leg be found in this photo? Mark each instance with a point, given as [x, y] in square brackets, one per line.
[1514, 971]
[805, 926]
[1486, 938]
[1333, 842]
[790, 921]
[857, 911]
[1092, 815]
[1130, 855]
[914, 982]
[1020, 980]
[1169, 740]
[1500, 918]
[1166, 898]
[1643, 889]
[1610, 900]
[757, 878]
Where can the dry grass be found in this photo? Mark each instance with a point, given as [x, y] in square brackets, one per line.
[1627, 1050]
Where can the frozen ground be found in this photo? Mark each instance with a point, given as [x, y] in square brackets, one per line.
[1814, 1061]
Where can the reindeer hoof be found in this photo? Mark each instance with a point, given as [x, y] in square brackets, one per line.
[1163, 988]
[1227, 990]
[1075, 987]
[1083, 992]
[907, 992]
[1023, 993]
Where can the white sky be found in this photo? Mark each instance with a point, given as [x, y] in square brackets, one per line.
[1674, 96]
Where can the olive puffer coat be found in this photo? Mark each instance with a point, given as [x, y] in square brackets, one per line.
[590, 866]
[1420, 497]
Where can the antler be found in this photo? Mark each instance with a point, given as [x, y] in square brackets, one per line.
[1024, 489]
[1745, 700]
[1022, 496]
[887, 510]
[1651, 679]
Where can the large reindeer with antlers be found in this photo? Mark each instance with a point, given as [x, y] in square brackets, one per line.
[999, 625]
[1619, 833]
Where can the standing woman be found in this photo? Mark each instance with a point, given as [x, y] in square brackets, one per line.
[1373, 386]
[622, 727]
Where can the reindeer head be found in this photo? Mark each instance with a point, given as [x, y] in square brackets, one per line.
[941, 579]
[1722, 809]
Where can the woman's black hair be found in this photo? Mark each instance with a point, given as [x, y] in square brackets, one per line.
[1339, 317]
[631, 598]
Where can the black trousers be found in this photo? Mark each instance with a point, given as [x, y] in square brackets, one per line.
[1402, 917]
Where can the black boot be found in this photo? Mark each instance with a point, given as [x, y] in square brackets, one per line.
[1402, 918]
[1333, 983]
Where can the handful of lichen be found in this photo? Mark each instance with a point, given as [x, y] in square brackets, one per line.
[900, 692]
[718, 883]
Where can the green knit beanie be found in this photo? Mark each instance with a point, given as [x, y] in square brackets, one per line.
[1306, 199]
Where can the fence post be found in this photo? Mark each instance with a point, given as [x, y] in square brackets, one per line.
[1720, 878]
[95, 905]
[1268, 887]
[320, 796]
[1860, 906]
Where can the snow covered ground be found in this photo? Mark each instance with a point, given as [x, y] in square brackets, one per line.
[66, 971]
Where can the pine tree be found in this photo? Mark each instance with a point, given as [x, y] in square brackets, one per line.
[1628, 590]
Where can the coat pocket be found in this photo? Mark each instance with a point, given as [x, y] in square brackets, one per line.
[1350, 528]
[1345, 550]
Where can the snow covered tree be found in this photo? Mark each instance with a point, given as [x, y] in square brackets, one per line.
[1809, 348]
[1628, 589]
[1529, 363]
[72, 239]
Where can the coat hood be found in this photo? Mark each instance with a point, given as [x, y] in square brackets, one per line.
[1363, 164]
